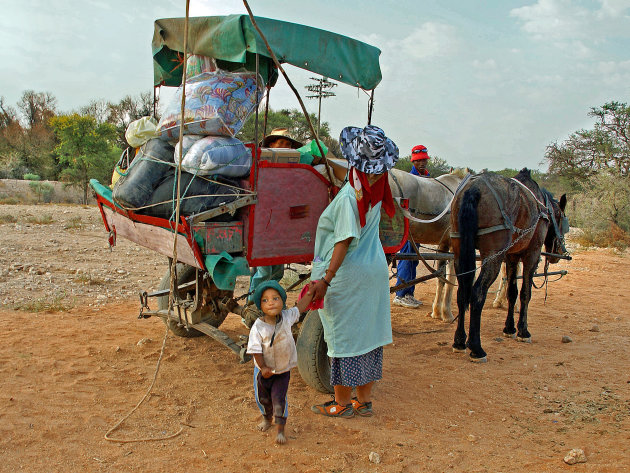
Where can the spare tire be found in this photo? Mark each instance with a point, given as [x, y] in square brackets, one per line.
[313, 361]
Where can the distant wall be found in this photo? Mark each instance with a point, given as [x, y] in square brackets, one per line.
[20, 190]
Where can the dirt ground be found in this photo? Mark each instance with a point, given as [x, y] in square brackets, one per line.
[75, 359]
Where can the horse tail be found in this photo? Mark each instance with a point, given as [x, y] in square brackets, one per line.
[467, 219]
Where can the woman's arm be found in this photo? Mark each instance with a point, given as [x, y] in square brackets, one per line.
[339, 253]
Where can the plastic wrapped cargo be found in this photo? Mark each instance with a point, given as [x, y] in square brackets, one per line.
[135, 187]
[187, 142]
[218, 155]
[217, 103]
[197, 64]
[198, 195]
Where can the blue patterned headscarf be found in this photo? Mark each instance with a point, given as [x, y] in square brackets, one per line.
[368, 149]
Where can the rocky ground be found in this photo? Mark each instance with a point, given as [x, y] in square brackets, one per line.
[75, 360]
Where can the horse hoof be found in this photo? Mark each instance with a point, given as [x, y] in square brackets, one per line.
[483, 359]
[509, 335]
[459, 350]
[524, 340]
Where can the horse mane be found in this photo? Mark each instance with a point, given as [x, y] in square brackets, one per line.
[525, 176]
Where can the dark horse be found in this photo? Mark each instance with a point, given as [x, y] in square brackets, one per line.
[507, 220]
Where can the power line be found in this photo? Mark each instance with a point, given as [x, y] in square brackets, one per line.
[321, 90]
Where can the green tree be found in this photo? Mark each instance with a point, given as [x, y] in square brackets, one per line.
[86, 147]
[606, 147]
[436, 165]
[292, 119]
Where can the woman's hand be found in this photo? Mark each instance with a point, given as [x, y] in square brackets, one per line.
[318, 289]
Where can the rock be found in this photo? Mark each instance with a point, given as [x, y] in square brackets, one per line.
[472, 438]
[566, 339]
[575, 456]
[144, 341]
[498, 339]
[374, 457]
[594, 328]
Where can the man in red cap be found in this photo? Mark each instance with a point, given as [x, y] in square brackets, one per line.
[407, 269]
[419, 159]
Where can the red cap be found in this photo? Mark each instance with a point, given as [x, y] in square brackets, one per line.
[419, 152]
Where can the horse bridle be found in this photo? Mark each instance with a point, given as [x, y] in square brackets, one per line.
[559, 230]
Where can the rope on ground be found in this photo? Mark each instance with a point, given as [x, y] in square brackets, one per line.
[119, 423]
[173, 292]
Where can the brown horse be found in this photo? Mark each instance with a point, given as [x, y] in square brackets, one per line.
[507, 220]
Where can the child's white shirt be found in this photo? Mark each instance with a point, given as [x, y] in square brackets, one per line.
[282, 355]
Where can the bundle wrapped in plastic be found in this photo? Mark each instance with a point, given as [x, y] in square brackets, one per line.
[197, 64]
[218, 155]
[187, 142]
[140, 131]
[198, 194]
[135, 187]
[217, 103]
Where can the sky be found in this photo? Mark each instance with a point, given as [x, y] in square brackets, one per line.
[483, 84]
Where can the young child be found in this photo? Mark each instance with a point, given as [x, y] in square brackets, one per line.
[271, 342]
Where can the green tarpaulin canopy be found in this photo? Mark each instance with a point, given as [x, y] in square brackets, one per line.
[234, 41]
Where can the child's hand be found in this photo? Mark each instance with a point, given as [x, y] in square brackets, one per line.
[303, 303]
[266, 372]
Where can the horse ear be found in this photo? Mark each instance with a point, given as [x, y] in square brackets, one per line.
[563, 202]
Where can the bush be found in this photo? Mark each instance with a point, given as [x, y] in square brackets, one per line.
[43, 190]
[31, 177]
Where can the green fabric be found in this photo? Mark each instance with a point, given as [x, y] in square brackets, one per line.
[224, 268]
[233, 39]
[310, 150]
[101, 190]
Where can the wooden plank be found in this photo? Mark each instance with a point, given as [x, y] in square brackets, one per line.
[155, 238]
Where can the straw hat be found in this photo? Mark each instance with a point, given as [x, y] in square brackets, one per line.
[277, 133]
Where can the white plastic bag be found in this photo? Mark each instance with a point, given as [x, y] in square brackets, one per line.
[187, 142]
[140, 131]
[218, 155]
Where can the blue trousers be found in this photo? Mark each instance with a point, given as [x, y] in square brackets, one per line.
[262, 274]
[406, 271]
[271, 395]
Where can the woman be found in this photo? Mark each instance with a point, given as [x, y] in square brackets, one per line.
[350, 272]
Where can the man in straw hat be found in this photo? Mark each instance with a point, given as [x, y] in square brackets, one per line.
[350, 272]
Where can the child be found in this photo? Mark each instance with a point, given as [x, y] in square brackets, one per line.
[271, 342]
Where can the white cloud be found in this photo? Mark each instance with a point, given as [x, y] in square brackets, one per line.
[430, 40]
[614, 8]
[553, 19]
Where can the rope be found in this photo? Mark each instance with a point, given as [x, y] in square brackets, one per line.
[286, 77]
[118, 424]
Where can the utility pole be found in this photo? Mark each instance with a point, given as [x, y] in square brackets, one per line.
[321, 90]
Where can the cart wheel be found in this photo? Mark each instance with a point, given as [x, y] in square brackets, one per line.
[313, 361]
[186, 273]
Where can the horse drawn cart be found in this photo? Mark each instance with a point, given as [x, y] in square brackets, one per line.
[273, 214]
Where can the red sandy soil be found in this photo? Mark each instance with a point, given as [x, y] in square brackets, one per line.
[68, 377]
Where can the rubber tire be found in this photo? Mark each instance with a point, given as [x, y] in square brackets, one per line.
[312, 350]
[185, 273]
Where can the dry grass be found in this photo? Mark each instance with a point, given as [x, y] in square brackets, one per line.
[44, 219]
[58, 303]
[8, 219]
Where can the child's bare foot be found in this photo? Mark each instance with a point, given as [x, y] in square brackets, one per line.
[280, 438]
[264, 425]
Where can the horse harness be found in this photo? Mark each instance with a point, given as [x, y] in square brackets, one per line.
[507, 224]
[409, 211]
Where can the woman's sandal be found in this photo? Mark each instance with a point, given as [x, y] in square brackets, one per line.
[332, 409]
[362, 408]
